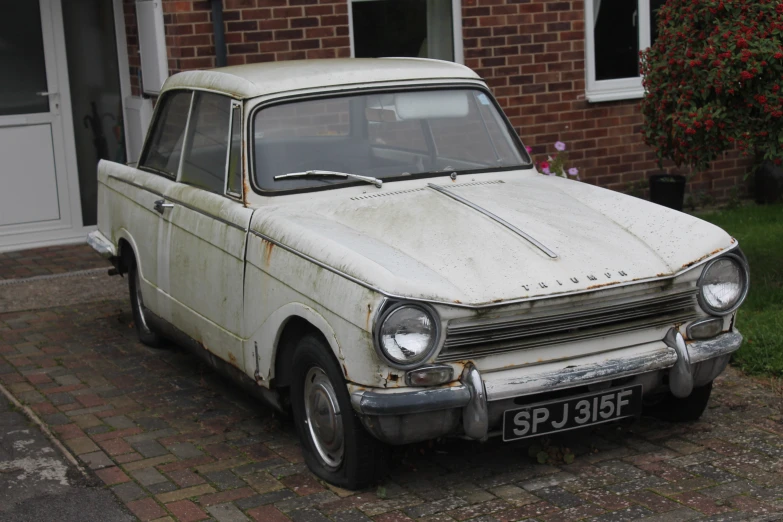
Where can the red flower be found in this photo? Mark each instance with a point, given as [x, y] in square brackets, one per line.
[745, 75]
[778, 55]
[544, 164]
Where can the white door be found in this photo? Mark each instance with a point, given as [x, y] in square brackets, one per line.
[34, 185]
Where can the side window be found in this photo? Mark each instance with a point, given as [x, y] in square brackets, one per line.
[234, 186]
[204, 164]
[164, 149]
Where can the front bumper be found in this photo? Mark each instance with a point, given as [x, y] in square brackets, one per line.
[400, 417]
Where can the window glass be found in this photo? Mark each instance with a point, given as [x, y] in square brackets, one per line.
[235, 154]
[205, 155]
[478, 137]
[655, 5]
[616, 39]
[304, 119]
[22, 60]
[165, 143]
[415, 28]
[391, 136]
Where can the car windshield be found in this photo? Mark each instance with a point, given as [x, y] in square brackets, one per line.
[389, 136]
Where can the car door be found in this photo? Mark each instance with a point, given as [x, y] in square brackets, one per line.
[137, 205]
[207, 227]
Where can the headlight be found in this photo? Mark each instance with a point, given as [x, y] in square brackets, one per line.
[407, 335]
[723, 285]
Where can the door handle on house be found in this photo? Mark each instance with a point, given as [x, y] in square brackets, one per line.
[161, 205]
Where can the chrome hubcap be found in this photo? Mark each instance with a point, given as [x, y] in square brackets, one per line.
[323, 417]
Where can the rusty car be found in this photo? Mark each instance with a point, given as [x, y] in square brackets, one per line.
[367, 244]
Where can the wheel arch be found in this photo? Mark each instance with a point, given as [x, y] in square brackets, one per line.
[281, 332]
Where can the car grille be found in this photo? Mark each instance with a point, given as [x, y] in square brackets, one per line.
[589, 320]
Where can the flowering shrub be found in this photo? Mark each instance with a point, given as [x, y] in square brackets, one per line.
[557, 166]
[712, 81]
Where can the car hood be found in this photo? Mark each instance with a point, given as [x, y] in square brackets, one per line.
[422, 244]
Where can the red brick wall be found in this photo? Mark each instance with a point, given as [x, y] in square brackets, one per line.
[530, 52]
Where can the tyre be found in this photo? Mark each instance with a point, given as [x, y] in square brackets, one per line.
[335, 444]
[146, 335]
[684, 410]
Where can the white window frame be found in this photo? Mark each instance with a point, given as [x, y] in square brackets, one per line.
[456, 20]
[620, 89]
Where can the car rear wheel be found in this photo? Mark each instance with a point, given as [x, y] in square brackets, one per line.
[686, 409]
[145, 334]
[336, 446]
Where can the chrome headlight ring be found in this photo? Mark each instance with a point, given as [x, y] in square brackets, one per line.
[427, 311]
[744, 273]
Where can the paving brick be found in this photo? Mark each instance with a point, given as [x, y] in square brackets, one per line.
[81, 445]
[112, 475]
[267, 514]
[227, 513]
[148, 476]
[185, 450]
[128, 491]
[186, 511]
[146, 509]
[225, 496]
[96, 460]
[225, 480]
[184, 493]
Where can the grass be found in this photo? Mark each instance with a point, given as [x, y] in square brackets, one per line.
[759, 230]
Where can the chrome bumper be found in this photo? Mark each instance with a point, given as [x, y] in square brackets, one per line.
[408, 416]
[100, 244]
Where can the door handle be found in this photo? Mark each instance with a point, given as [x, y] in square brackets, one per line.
[161, 205]
[45, 93]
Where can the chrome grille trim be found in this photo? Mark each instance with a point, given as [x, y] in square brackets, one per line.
[493, 336]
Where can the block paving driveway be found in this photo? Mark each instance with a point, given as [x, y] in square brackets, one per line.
[174, 441]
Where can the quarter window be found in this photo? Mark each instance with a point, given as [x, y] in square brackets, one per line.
[234, 186]
[204, 164]
[164, 149]
[616, 30]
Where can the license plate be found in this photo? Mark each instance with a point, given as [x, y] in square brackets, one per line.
[575, 412]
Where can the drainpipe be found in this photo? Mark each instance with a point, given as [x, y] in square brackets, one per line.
[219, 31]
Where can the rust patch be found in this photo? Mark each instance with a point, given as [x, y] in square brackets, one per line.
[603, 285]
[686, 265]
[369, 317]
[345, 369]
[268, 247]
[232, 359]
[393, 377]
[458, 301]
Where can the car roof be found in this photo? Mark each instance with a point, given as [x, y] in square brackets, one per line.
[249, 81]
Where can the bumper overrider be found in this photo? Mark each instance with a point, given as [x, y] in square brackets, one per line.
[409, 415]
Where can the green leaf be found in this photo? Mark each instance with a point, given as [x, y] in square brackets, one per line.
[542, 457]
[534, 449]
[381, 492]
[568, 458]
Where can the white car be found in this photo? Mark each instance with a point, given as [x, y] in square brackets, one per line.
[368, 243]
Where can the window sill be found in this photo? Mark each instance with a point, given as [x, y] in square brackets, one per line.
[606, 95]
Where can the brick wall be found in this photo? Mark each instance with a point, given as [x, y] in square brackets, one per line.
[530, 52]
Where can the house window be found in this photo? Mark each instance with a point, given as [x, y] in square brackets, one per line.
[412, 28]
[615, 32]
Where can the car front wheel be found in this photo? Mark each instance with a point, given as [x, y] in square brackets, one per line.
[336, 446]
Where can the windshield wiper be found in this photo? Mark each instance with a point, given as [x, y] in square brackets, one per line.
[316, 173]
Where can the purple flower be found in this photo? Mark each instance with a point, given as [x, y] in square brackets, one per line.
[546, 171]
[573, 171]
[559, 145]
[529, 149]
